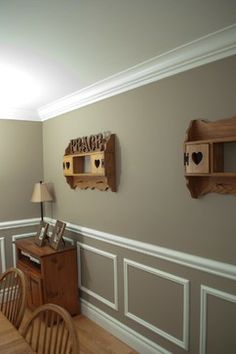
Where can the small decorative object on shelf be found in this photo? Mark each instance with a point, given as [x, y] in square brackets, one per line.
[56, 238]
[205, 155]
[89, 162]
[41, 234]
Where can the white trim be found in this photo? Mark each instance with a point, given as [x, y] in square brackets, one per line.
[19, 223]
[3, 254]
[118, 329]
[19, 114]
[214, 46]
[69, 240]
[205, 290]
[183, 343]
[16, 237]
[113, 257]
[221, 269]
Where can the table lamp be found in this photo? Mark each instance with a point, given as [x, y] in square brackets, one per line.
[40, 195]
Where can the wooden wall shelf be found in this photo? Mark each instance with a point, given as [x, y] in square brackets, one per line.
[204, 157]
[89, 162]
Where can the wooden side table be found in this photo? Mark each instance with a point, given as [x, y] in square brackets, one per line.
[52, 274]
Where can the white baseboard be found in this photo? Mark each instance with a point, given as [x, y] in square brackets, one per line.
[121, 331]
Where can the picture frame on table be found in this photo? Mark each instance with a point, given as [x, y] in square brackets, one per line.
[41, 234]
[57, 234]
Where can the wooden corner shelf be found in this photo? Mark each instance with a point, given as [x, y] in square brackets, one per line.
[89, 162]
[204, 157]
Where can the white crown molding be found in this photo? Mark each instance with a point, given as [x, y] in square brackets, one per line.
[19, 223]
[214, 46]
[205, 290]
[19, 114]
[121, 331]
[113, 257]
[3, 254]
[183, 342]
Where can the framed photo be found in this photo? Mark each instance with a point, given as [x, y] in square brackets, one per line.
[41, 234]
[57, 234]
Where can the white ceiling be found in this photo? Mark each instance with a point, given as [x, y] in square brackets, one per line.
[58, 47]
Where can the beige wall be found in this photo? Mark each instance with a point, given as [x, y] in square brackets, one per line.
[21, 166]
[152, 203]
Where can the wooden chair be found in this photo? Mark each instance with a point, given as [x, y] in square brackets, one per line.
[51, 330]
[13, 295]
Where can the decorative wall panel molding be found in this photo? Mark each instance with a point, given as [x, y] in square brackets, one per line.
[118, 329]
[3, 254]
[221, 269]
[113, 305]
[183, 342]
[67, 239]
[209, 266]
[205, 291]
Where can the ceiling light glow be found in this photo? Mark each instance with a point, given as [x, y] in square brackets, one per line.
[17, 87]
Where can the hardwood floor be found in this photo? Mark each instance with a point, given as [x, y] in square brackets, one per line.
[94, 339]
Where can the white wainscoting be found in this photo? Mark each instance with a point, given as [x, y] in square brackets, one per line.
[205, 290]
[123, 332]
[3, 254]
[207, 265]
[183, 343]
[113, 257]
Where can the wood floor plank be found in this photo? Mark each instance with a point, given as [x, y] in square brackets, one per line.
[94, 339]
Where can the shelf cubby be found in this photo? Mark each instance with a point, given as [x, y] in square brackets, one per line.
[207, 148]
[91, 169]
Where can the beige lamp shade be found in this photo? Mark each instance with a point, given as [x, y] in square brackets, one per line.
[40, 193]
